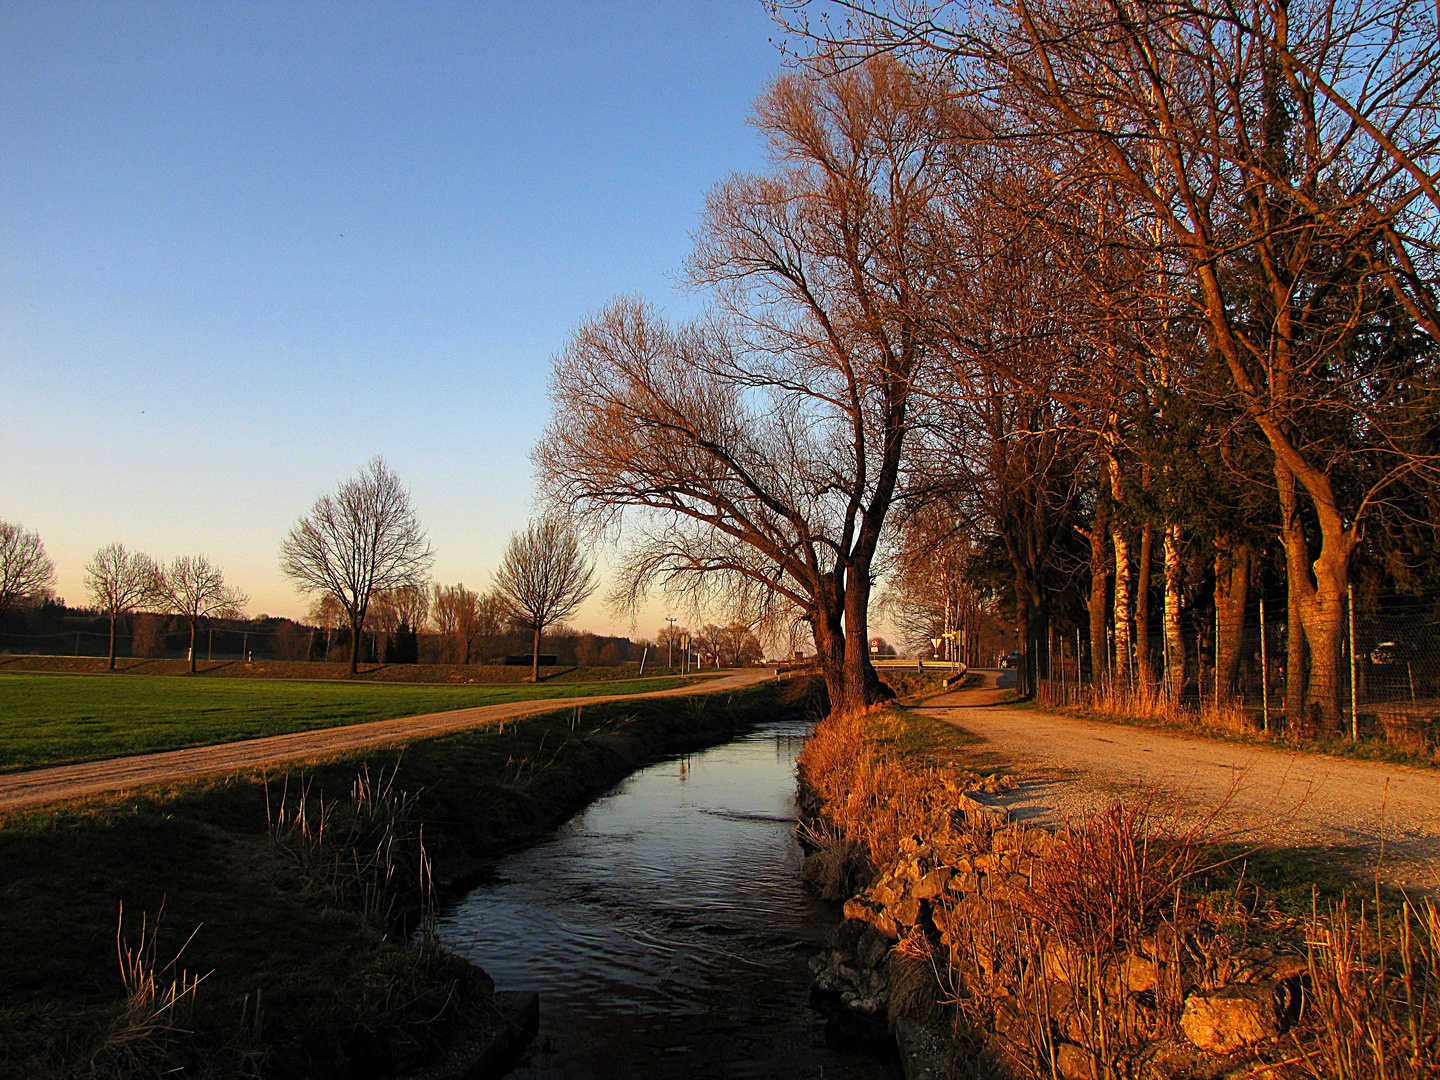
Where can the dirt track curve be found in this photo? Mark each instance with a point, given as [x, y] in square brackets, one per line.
[60, 782]
[1335, 806]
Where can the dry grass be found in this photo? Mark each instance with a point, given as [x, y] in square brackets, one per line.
[1373, 1001]
[365, 855]
[1092, 956]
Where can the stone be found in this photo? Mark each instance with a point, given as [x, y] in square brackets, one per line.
[907, 912]
[870, 950]
[1138, 974]
[1074, 1062]
[863, 909]
[933, 883]
[964, 882]
[1230, 1018]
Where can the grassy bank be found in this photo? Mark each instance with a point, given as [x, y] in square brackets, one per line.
[1416, 746]
[49, 719]
[1108, 948]
[306, 970]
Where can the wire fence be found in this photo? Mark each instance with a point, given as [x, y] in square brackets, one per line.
[1387, 678]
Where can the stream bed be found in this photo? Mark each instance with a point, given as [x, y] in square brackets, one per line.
[666, 927]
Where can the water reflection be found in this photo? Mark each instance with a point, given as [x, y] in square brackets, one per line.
[666, 928]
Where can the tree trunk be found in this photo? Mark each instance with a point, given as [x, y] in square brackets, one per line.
[355, 622]
[112, 641]
[1124, 606]
[1099, 593]
[535, 659]
[1022, 640]
[192, 645]
[1174, 642]
[1232, 590]
[838, 622]
[1143, 652]
[1317, 601]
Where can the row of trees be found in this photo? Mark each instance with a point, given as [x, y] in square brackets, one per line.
[1081, 291]
[190, 587]
[365, 544]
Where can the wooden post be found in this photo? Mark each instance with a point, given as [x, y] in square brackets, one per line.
[1354, 696]
[1264, 671]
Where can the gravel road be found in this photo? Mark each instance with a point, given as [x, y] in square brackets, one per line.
[36, 786]
[1342, 809]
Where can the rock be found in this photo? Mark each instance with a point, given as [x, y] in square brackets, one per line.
[871, 948]
[863, 909]
[964, 882]
[933, 883]
[1137, 974]
[907, 912]
[1229, 1018]
[923, 1052]
[1074, 1062]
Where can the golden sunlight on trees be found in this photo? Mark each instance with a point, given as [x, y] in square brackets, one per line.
[364, 538]
[119, 581]
[465, 620]
[543, 579]
[749, 459]
[1190, 304]
[25, 569]
[194, 589]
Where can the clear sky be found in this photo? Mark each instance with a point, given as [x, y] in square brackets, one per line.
[246, 246]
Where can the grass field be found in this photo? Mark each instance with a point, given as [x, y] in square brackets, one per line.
[51, 719]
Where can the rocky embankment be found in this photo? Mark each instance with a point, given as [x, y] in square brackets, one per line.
[1078, 953]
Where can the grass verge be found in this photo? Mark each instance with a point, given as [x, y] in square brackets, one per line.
[305, 971]
[51, 719]
[1238, 727]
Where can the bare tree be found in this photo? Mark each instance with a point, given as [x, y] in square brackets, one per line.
[119, 581]
[363, 538]
[466, 619]
[193, 588]
[25, 569]
[750, 459]
[543, 579]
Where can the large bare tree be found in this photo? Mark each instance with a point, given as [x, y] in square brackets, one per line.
[194, 588]
[750, 459]
[120, 581]
[363, 538]
[543, 579]
[25, 569]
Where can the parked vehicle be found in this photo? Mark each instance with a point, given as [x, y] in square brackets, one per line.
[1010, 659]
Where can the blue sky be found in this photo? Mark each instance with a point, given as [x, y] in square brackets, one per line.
[246, 246]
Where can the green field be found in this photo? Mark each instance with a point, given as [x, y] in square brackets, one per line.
[50, 719]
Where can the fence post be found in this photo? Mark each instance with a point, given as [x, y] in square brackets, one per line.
[1264, 671]
[1354, 697]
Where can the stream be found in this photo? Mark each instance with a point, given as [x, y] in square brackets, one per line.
[666, 927]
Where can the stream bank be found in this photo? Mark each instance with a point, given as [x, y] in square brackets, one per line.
[307, 970]
[666, 926]
[1126, 944]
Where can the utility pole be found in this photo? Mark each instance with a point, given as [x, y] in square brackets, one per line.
[670, 644]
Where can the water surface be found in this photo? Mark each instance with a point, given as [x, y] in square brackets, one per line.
[666, 928]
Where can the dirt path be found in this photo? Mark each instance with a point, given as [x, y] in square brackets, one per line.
[62, 782]
[1341, 807]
